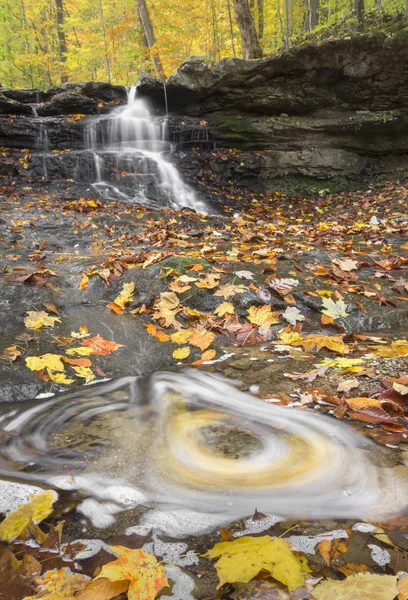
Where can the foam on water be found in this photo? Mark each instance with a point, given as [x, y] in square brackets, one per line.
[197, 452]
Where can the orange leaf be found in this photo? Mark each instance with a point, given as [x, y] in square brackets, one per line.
[100, 346]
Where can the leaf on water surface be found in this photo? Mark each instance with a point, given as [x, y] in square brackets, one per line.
[317, 341]
[125, 295]
[59, 584]
[362, 586]
[85, 373]
[242, 559]
[45, 361]
[224, 309]
[156, 332]
[58, 377]
[335, 310]
[38, 319]
[80, 351]
[83, 284]
[292, 315]
[37, 509]
[398, 349]
[10, 353]
[81, 333]
[145, 575]
[101, 346]
[262, 316]
[229, 290]
[181, 353]
[182, 336]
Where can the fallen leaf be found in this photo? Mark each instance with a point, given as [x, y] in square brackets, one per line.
[347, 385]
[10, 353]
[225, 308]
[263, 316]
[59, 377]
[229, 290]
[335, 310]
[362, 586]
[292, 315]
[100, 346]
[201, 338]
[181, 353]
[145, 575]
[242, 559]
[37, 509]
[84, 372]
[45, 361]
[59, 584]
[39, 319]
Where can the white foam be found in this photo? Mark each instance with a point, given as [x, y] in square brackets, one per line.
[379, 555]
[364, 527]
[178, 523]
[257, 526]
[13, 494]
[101, 514]
[171, 551]
[308, 543]
[183, 584]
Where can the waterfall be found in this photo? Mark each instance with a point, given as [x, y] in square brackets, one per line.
[129, 149]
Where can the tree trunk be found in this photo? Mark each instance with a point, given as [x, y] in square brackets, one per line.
[249, 38]
[312, 15]
[232, 29]
[288, 21]
[62, 42]
[260, 4]
[284, 43]
[378, 4]
[149, 36]
[105, 43]
[27, 47]
[359, 8]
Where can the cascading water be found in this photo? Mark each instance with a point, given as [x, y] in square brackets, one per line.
[195, 443]
[129, 149]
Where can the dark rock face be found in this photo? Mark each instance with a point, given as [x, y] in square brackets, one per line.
[363, 73]
[11, 107]
[67, 103]
[26, 96]
[91, 89]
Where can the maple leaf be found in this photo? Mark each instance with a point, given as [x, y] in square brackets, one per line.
[59, 584]
[80, 351]
[100, 346]
[83, 284]
[38, 319]
[224, 309]
[37, 509]
[360, 586]
[335, 310]
[145, 575]
[316, 340]
[292, 315]
[59, 377]
[166, 308]
[210, 281]
[181, 353]
[46, 361]
[201, 338]
[81, 333]
[181, 337]
[242, 559]
[263, 316]
[346, 264]
[229, 290]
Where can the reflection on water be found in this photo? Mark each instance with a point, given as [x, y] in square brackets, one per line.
[194, 442]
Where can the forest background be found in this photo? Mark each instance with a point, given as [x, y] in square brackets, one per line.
[46, 42]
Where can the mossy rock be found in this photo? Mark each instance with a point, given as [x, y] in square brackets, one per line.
[181, 264]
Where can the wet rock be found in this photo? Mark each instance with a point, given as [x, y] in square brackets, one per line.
[67, 103]
[24, 95]
[92, 89]
[11, 107]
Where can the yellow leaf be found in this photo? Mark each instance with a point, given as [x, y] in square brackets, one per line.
[208, 355]
[225, 308]
[85, 373]
[362, 586]
[46, 361]
[37, 509]
[228, 290]
[398, 349]
[80, 351]
[81, 333]
[263, 316]
[242, 559]
[83, 284]
[166, 308]
[181, 353]
[36, 320]
[290, 338]
[403, 582]
[59, 377]
[125, 295]
[335, 310]
[341, 363]
[145, 575]
[331, 342]
[59, 584]
[181, 337]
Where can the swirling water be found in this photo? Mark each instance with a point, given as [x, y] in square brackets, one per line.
[193, 442]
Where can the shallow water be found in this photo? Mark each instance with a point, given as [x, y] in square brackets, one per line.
[192, 442]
